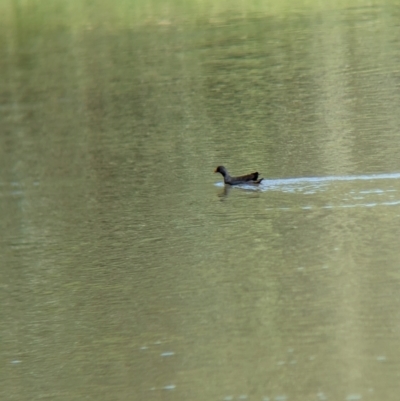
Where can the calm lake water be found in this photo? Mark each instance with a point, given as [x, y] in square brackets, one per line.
[129, 272]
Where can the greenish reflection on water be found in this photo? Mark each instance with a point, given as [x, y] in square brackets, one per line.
[126, 273]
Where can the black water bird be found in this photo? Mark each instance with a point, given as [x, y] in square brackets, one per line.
[251, 179]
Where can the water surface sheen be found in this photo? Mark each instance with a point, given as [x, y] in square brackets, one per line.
[129, 272]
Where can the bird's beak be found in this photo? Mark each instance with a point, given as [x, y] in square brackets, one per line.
[215, 171]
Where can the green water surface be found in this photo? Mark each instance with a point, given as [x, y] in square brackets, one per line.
[127, 272]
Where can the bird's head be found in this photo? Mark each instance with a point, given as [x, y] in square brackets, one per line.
[222, 170]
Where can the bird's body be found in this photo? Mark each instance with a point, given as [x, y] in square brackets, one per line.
[243, 179]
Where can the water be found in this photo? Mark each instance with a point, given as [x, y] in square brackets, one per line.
[129, 271]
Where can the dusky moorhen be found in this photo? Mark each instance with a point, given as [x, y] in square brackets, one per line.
[244, 179]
